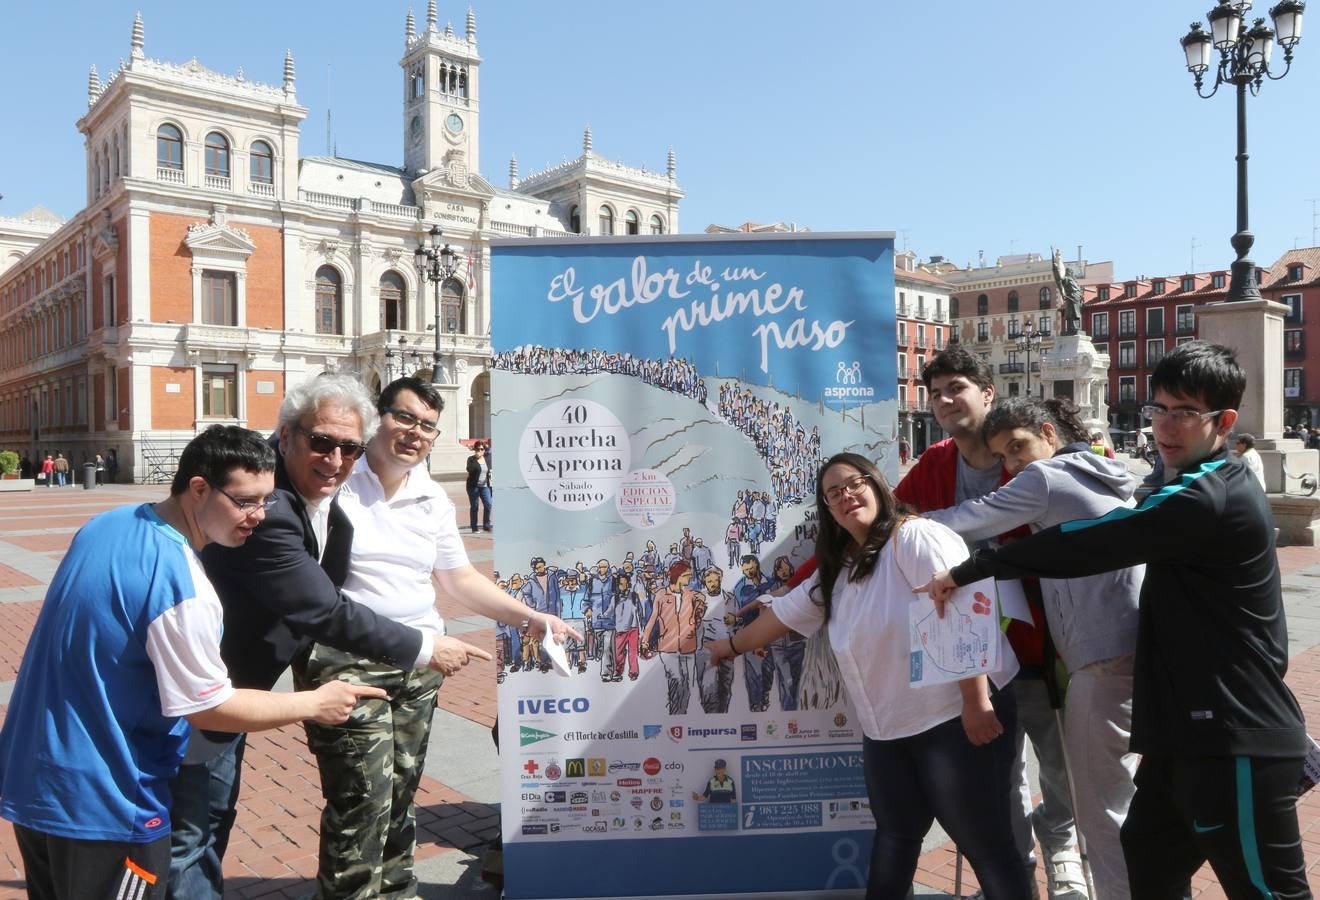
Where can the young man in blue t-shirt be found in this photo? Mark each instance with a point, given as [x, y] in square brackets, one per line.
[126, 648]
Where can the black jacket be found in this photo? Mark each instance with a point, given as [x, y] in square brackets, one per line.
[474, 472]
[1212, 644]
[277, 598]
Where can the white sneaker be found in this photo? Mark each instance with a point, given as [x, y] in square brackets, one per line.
[1063, 869]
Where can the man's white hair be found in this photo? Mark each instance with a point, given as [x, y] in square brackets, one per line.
[339, 390]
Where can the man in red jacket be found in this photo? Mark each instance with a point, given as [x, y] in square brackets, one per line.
[950, 472]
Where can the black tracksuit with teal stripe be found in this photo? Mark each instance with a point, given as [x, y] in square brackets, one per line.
[1210, 707]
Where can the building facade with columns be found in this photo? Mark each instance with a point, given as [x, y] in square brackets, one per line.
[213, 266]
[994, 305]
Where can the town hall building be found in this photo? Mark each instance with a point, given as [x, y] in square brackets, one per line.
[214, 267]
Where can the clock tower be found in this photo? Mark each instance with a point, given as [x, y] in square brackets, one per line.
[441, 97]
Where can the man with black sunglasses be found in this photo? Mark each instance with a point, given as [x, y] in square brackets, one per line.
[280, 592]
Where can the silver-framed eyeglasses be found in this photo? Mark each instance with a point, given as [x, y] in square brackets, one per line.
[850, 488]
[248, 506]
[1183, 418]
[408, 420]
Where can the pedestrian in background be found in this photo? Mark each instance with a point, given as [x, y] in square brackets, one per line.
[478, 486]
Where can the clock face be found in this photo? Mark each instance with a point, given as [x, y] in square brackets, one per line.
[454, 123]
[416, 127]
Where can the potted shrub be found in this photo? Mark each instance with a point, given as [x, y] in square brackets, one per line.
[9, 464]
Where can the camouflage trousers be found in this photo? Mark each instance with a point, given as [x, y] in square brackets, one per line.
[370, 768]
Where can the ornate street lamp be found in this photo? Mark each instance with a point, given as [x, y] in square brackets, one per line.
[1029, 342]
[1244, 61]
[436, 264]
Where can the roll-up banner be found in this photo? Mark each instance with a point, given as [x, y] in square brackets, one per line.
[660, 408]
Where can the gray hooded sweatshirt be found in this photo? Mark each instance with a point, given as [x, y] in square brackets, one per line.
[1092, 618]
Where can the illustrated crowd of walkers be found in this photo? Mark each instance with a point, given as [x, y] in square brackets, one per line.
[670, 373]
[670, 607]
[1149, 681]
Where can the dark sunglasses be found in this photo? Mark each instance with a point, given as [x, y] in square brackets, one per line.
[326, 445]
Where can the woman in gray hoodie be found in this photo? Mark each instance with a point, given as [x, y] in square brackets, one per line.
[1092, 620]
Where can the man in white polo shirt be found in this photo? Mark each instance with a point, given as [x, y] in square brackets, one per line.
[405, 533]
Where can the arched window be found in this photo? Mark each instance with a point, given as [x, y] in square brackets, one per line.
[462, 83]
[105, 167]
[657, 225]
[169, 147]
[329, 296]
[1044, 298]
[1012, 301]
[451, 307]
[606, 220]
[632, 222]
[96, 176]
[393, 294]
[418, 85]
[114, 157]
[261, 163]
[575, 220]
[217, 155]
[982, 305]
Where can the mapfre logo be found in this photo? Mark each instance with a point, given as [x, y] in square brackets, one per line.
[848, 381]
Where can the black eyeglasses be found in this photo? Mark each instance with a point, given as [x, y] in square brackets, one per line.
[408, 420]
[248, 506]
[850, 488]
[325, 445]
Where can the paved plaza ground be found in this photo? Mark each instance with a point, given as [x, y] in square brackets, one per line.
[273, 853]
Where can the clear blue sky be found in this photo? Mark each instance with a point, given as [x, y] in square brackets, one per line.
[964, 126]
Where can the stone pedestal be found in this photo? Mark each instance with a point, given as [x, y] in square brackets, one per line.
[1074, 369]
[1297, 519]
[1254, 329]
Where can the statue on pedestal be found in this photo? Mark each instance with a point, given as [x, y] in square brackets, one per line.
[1070, 295]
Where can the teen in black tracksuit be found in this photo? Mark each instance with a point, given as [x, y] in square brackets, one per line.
[1222, 736]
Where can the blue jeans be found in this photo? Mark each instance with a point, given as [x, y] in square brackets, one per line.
[938, 774]
[481, 492]
[205, 801]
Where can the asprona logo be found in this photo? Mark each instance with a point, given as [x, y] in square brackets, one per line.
[848, 379]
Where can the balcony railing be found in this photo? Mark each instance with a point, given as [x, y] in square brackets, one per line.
[1099, 335]
[218, 182]
[922, 343]
[921, 311]
[1154, 330]
[1126, 332]
[261, 189]
[983, 337]
[1013, 368]
[169, 175]
[1127, 363]
[903, 310]
[1185, 328]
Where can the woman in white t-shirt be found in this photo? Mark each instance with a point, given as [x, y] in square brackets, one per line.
[942, 752]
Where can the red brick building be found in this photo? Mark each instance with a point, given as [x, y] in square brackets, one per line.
[1137, 321]
[921, 301]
